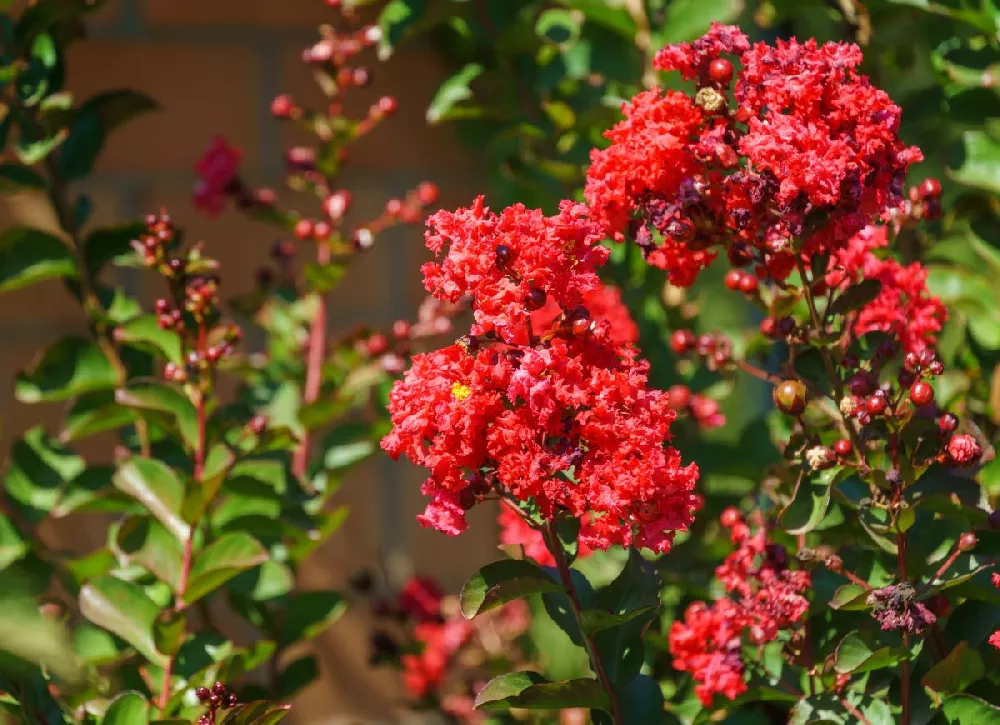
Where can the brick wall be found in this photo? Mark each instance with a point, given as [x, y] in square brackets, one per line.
[215, 65]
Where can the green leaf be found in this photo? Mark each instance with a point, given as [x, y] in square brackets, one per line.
[641, 702]
[809, 504]
[849, 597]
[979, 163]
[94, 413]
[856, 296]
[396, 19]
[969, 710]
[595, 620]
[144, 541]
[953, 674]
[169, 630]
[309, 613]
[501, 582]
[71, 367]
[452, 92]
[347, 445]
[26, 634]
[256, 713]
[110, 244]
[218, 462]
[558, 26]
[39, 470]
[689, 19]
[28, 256]
[855, 655]
[220, 561]
[95, 119]
[13, 545]
[154, 485]
[123, 609]
[145, 333]
[15, 178]
[164, 405]
[531, 691]
[129, 708]
[609, 15]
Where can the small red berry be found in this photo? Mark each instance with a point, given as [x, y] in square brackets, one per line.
[580, 326]
[967, 541]
[322, 231]
[930, 187]
[876, 405]
[790, 397]
[720, 71]
[768, 327]
[303, 229]
[911, 362]
[401, 329]
[921, 393]
[393, 207]
[427, 193]
[843, 447]
[733, 279]
[730, 517]
[861, 383]
[377, 344]
[748, 284]
[388, 104]
[682, 341]
[336, 204]
[282, 106]
[705, 345]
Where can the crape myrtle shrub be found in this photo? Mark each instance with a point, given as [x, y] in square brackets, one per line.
[725, 367]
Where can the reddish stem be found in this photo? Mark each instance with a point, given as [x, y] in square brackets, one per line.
[314, 365]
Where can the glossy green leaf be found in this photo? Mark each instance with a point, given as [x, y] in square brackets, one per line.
[71, 367]
[144, 333]
[452, 92]
[969, 710]
[38, 472]
[347, 445]
[28, 256]
[979, 164]
[93, 413]
[220, 561]
[531, 691]
[144, 541]
[397, 18]
[856, 296]
[110, 244]
[123, 609]
[128, 708]
[850, 597]
[309, 613]
[13, 545]
[688, 19]
[809, 504]
[855, 655]
[164, 404]
[218, 462]
[953, 674]
[502, 582]
[154, 485]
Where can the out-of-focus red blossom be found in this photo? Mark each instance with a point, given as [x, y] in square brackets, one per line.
[904, 307]
[706, 412]
[768, 597]
[540, 257]
[514, 531]
[420, 598]
[532, 413]
[603, 305]
[820, 144]
[963, 449]
[217, 173]
[424, 672]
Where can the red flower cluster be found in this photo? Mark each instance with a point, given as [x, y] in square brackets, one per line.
[811, 151]
[570, 424]
[217, 176]
[769, 598]
[995, 637]
[563, 419]
[904, 307]
[513, 263]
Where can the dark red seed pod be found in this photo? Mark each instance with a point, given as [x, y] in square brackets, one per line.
[843, 447]
[861, 384]
[790, 397]
[733, 279]
[748, 284]
[682, 341]
[930, 188]
[947, 423]
[967, 541]
[503, 256]
[876, 405]
[536, 299]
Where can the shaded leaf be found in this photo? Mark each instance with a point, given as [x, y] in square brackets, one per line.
[256, 713]
[144, 333]
[128, 708]
[531, 691]
[71, 367]
[856, 655]
[165, 405]
[953, 674]
[154, 485]
[220, 561]
[110, 244]
[144, 541]
[92, 123]
[15, 178]
[123, 609]
[309, 613]
[501, 582]
[452, 92]
[28, 256]
[856, 296]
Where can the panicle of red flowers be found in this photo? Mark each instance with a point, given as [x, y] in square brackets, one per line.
[809, 155]
[563, 419]
[767, 597]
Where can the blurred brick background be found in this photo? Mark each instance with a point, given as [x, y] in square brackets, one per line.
[215, 65]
